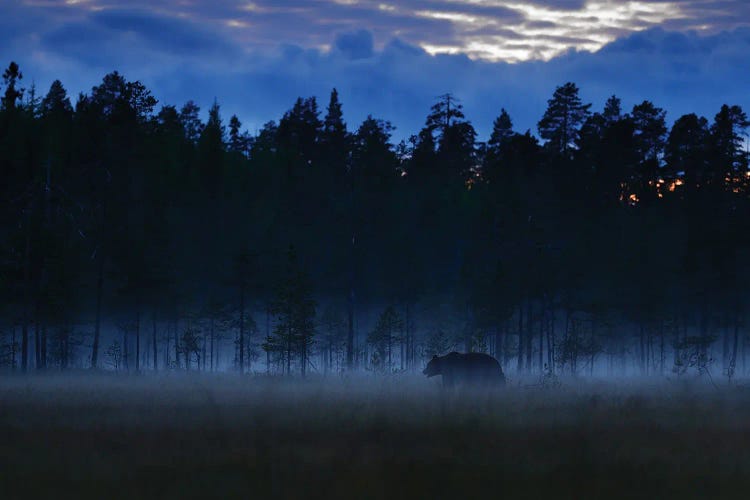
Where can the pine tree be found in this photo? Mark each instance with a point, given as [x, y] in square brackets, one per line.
[444, 113]
[450, 136]
[387, 331]
[242, 267]
[335, 144]
[191, 123]
[190, 345]
[56, 102]
[502, 131]
[563, 118]
[650, 131]
[612, 110]
[727, 133]
[122, 102]
[299, 134]
[334, 127]
[239, 142]
[294, 309]
[11, 77]
[686, 149]
[33, 103]
[211, 150]
[372, 156]
[333, 336]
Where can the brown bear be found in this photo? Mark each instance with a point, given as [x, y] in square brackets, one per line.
[473, 369]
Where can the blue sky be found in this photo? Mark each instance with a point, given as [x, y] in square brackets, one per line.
[391, 58]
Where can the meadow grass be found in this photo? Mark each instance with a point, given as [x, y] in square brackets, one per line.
[224, 436]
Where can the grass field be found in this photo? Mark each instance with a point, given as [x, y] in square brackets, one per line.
[84, 436]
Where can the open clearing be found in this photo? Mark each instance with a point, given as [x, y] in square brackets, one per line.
[100, 436]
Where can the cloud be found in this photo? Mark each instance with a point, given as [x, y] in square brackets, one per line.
[355, 45]
[680, 72]
[168, 34]
[257, 57]
[485, 29]
[561, 4]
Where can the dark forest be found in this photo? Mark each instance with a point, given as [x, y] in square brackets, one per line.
[136, 236]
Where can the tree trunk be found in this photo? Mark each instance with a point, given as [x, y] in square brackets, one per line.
[735, 342]
[153, 342]
[551, 339]
[593, 354]
[24, 345]
[542, 331]
[211, 333]
[409, 340]
[642, 344]
[63, 349]
[27, 301]
[329, 363]
[176, 345]
[519, 367]
[37, 350]
[13, 348]
[744, 355]
[125, 349]
[289, 352]
[467, 330]
[574, 346]
[704, 334]
[390, 348]
[529, 335]
[725, 347]
[499, 339]
[138, 341]
[166, 346]
[350, 317]
[402, 339]
[242, 327]
[44, 346]
[661, 348]
[268, 335]
[98, 319]
[352, 264]
[565, 356]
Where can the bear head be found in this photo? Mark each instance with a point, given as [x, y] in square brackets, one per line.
[433, 367]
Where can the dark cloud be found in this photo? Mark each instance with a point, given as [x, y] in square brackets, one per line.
[400, 82]
[539, 24]
[256, 58]
[479, 28]
[78, 40]
[355, 45]
[497, 12]
[167, 33]
[560, 4]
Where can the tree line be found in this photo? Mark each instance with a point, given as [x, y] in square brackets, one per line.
[141, 237]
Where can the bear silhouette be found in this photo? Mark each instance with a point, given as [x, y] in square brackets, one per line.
[473, 369]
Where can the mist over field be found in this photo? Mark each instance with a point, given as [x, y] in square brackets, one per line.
[369, 437]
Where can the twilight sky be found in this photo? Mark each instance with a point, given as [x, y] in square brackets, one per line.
[391, 58]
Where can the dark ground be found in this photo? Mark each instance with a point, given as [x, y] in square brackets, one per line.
[224, 436]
